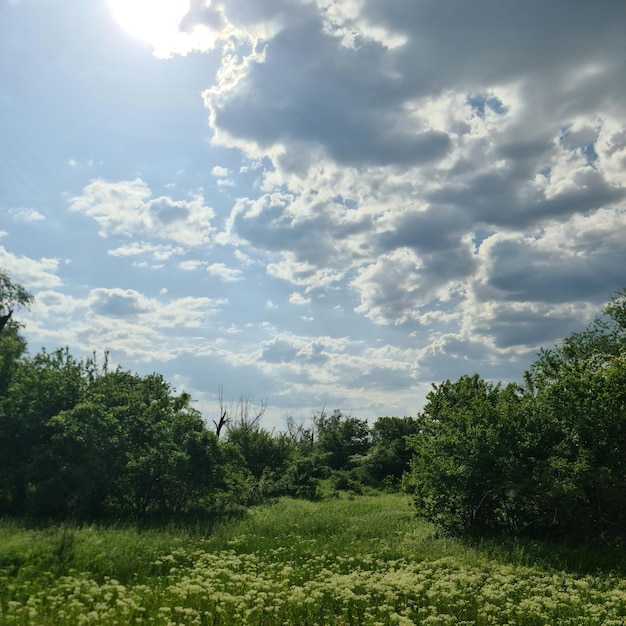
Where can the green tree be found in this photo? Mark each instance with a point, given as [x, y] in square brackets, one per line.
[40, 388]
[590, 348]
[461, 470]
[340, 438]
[79, 440]
[390, 456]
[547, 459]
[167, 458]
[12, 295]
[12, 344]
[262, 450]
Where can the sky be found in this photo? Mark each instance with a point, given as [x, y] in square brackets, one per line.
[311, 203]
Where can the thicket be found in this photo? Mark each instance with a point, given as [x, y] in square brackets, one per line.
[546, 458]
[82, 440]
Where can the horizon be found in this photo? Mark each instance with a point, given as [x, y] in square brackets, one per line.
[314, 203]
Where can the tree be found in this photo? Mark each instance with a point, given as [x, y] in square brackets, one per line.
[266, 455]
[81, 441]
[340, 438]
[545, 460]
[302, 436]
[40, 388]
[389, 456]
[590, 348]
[12, 344]
[11, 295]
[460, 473]
[167, 458]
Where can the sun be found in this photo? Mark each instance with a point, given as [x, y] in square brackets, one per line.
[152, 21]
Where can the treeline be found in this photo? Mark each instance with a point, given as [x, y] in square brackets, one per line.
[83, 440]
[80, 440]
[543, 458]
[546, 458]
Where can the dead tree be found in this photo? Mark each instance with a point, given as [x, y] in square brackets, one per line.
[243, 415]
[248, 416]
[224, 419]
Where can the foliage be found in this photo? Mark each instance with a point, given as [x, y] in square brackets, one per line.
[39, 389]
[340, 438]
[603, 339]
[390, 456]
[302, 478]
[462, 472]
[547, 459]
[579, 421]
[81, 441]
[78, 440]
[12, 294]
[12, 344]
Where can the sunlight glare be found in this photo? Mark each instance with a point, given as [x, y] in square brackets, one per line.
[152, 21]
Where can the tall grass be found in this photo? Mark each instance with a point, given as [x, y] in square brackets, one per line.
[365, 560]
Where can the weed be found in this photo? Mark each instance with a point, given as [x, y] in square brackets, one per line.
[361, 561]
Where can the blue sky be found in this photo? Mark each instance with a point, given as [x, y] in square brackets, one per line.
[316, 203]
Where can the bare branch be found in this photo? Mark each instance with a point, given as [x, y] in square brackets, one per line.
[248, 416]
[224, 419]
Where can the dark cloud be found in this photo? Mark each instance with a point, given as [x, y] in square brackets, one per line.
[201, 13]
[492, 198]
[117, 303]
[436, 228]
[452, 124]
[167, 211]
[451, 171]
[526, 327]
[454, 356]
[250, 12]
[311, 89]
[523, 270]
[459, 44]
[279, 352]
[524, 150]
[277, 223]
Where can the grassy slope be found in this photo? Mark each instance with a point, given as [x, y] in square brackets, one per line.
[365, 560]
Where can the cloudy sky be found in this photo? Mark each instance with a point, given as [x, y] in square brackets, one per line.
[314, 202]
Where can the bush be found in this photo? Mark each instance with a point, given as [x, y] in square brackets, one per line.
[547, 459]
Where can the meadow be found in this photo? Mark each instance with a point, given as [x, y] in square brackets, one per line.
[362, 560]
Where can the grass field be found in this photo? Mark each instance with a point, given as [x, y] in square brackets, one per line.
[361, 561]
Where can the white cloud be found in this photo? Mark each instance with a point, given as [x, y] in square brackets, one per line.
[304, 274]
[24, 214]
[33, 274]
[445, 180]
[156, 252]
[190, 266]
[387, 185]
[127, 322]
[127, 209]
[227, 274]
[220, 171]
[298, 299]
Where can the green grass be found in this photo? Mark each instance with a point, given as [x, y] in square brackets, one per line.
[363, 560]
